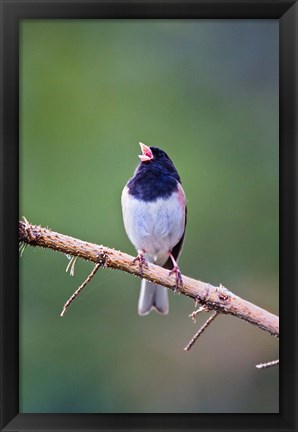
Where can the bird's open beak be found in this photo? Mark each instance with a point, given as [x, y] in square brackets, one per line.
[147, 154]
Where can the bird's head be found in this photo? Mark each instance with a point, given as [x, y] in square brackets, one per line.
[155, 168]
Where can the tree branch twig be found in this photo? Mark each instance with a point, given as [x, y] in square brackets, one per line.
[81, 287]
[267, 365]
[200, 331]
[215, 298]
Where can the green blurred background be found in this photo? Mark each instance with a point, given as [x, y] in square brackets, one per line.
[207, 93]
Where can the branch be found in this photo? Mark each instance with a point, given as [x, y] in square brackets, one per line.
[215, 298]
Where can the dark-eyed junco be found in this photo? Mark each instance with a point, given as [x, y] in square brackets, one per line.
[154, 215]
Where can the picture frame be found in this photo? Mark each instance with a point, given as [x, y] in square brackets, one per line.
[11, 15]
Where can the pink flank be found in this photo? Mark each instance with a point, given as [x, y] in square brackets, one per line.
[181, 196]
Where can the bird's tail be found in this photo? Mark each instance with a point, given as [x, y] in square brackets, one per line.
[153, 296]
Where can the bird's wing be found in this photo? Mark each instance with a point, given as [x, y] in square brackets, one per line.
[177, 248]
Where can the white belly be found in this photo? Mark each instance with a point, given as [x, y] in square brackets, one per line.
[154, 227]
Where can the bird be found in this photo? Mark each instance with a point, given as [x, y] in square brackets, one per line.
[154, 214]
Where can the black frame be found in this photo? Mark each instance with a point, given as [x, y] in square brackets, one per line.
[11, 14]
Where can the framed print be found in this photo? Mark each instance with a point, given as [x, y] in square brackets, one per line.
[209, 91]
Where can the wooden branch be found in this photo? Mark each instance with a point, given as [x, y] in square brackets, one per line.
[215, 298]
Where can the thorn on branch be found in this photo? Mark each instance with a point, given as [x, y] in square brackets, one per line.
[200, 331]
[268, 364]
[81, 287]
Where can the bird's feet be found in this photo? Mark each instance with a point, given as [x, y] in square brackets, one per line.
[142, 261]
[175, 270]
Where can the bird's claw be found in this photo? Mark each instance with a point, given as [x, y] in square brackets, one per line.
[142, 262]
[178, 276]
